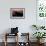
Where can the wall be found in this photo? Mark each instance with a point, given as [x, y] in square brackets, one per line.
[23, 24]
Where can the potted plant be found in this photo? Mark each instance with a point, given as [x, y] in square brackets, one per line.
[35, 26]
[38, 27]
[39, 35]
[42, 27]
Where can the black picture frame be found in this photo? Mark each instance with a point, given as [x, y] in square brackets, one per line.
[17, 13]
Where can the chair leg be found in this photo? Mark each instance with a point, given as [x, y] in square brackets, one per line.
[5, 40]
[5, 43]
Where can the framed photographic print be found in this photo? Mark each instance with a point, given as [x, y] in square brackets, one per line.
[17, 13]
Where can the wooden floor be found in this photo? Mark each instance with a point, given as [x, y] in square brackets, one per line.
[13, 44]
